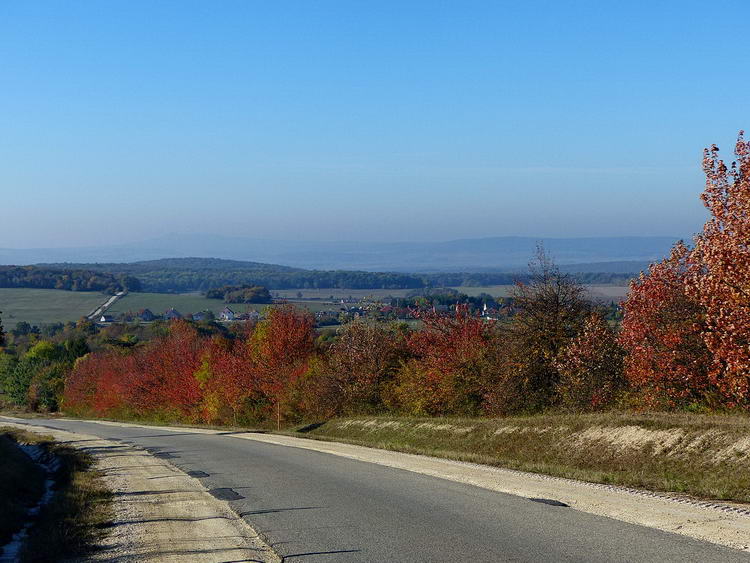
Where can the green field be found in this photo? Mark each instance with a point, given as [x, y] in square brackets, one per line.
[606, 292]
[185, 303]
[327, 294]
[44, 306]
[615, 292]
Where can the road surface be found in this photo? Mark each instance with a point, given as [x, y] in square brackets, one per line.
[106, 305]
[316, 507]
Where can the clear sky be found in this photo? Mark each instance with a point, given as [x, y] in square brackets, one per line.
[378, 120]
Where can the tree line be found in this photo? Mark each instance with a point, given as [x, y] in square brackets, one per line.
[241, 294]
[178, 275]
[40, 277]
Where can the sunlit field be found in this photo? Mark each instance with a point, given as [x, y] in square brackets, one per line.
[44, 306]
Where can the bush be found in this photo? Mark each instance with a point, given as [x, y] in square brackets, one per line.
[591, 368]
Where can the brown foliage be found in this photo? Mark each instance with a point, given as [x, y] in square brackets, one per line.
[552, 309]
[590, 367]
[360, 364]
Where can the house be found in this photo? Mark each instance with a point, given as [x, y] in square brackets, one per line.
[172, 314]
[146, 315]
[227, 314]
[199, 316]
[107, 319]
[248, 316]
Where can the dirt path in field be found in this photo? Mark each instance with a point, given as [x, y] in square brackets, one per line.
[161, 514]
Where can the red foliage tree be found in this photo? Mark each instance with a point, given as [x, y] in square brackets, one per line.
[454, 355]
[590, 367]
[168, 368]
[227, 379]
[279, 351]
[662, 333]
[720, 272]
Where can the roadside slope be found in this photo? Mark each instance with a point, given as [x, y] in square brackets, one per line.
[705, 456]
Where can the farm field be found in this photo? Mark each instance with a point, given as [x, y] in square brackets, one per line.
[615, 292]
[338, 293]
[183, 302]
[193, 303]
[45, 306]
[606, 292]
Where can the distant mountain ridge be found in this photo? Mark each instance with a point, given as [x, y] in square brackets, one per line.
[181, 264]
[498, 254]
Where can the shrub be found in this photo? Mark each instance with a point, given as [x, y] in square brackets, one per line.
[591, 368]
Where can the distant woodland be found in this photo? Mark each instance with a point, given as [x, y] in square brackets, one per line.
[66, 278]
[176, 275]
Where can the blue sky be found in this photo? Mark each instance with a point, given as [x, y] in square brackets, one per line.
[355, 120]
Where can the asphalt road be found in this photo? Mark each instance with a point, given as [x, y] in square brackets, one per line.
[312, 506]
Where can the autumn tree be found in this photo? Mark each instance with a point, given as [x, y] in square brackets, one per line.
[551, 310]
[454, 359]
[590, 368]
[662, 333]
[228, 380]
[361, 362]
[280, 348]
[720, 271]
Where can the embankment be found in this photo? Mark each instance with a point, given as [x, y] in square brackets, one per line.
[700, 455]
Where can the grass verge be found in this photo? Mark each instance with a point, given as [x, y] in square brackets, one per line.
[700, 455]
[75, 518]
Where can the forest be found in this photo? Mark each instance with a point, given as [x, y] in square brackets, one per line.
[66, 278]
[178, 275]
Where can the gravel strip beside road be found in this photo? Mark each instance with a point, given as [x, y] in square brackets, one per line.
[161, 514]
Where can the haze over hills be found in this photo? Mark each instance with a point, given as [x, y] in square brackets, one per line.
[601, 254]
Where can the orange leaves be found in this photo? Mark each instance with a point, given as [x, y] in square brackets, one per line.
[280, 348]
[687, 323]
[720, 271]
[662, 332]
[455, 357]
[590, 367]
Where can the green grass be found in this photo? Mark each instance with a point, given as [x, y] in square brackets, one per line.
[706, 456]
[195, 302]
[43, 306]
[326, 294]
[160, 302]
[608, 292]
[79, 511]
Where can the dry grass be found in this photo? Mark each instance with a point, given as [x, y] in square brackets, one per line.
[79, 511]
[701, 455]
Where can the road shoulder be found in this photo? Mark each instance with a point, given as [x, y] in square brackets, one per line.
[714, 522]
[160, 513]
